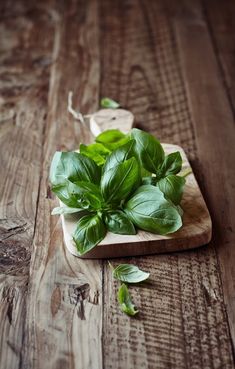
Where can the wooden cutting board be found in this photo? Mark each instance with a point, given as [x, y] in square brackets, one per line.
[196, 229]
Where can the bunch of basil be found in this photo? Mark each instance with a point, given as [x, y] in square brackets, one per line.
[118, 183]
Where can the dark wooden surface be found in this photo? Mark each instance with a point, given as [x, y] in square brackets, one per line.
[172, 64]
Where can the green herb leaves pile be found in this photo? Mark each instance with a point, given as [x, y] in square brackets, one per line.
[119, 183]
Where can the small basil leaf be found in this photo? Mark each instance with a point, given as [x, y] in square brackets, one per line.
[118, 182]
[149, 210]
[96, 151]
[149, 149]
[65, 210]
[73, 166]
[118, 222]
[89, 232]
[129, 273]
[119, 155]
[106, 102]
[172, 164]
[125, 302]
[172, 186]
[63, 194]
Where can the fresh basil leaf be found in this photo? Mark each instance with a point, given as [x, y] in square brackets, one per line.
[62, 193]
[88, 195]
[129, 273]
[119, 155]
[149, 149]
[172, 187]
[110, 136]
[65, 210]
[73, 166]
[118, 182]
[97, 151]
[172, 164]
[106, 102]
[117, 222]
[125, 302]
[89, 232]
[149, 210]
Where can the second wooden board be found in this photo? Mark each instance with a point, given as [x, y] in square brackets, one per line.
[196, 229]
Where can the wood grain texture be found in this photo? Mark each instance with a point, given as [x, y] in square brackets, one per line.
[25, 58]
[195, 232]
[170, 339]
[210, 106]
[157, 59]
[64, 311]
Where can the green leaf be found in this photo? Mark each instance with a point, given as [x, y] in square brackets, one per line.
[96, 151]
[88, 195]
[149, 210]
[172, 186]
[129, 273]
[117, 222]
[74, 167]
[118, 182]
[112, 138]
[149, 150]
[125, 302]
[65, 210]
[109, 103]
[119, 155]
[172, 164]
[89, 232]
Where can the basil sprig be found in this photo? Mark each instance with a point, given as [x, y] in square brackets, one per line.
[119, 184]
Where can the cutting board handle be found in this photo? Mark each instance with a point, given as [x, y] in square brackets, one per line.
[111, 119]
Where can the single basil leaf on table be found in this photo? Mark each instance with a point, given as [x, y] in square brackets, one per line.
[172, 164]
[89, 232]
[96, 151]
[149, 150]
[74, 167]
[119, 155]
[129, 273]
[125, 302]
[172, 187]
[65, 210]
[118, 222]
[149, 210]
[106, 102]
[118, 182]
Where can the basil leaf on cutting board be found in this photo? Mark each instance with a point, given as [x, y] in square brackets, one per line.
[148, 149]
[106, 102]
[112, 138]
[172, 186]
[119, 155]
[118, 182]
[65, 210]
[149, 210]
[172, 164]
[89, 232]
[125, 302]
[129, 273]
[74, 167]
[96, 151]
[118, 222]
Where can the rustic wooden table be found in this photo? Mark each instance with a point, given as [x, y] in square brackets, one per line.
[172, 64]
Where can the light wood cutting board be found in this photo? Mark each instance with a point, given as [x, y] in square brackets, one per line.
[196, 229]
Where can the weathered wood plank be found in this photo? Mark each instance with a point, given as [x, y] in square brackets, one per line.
[24, 73]
[220, 17]
[214, 127]
[183, 320]
[64, 310]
